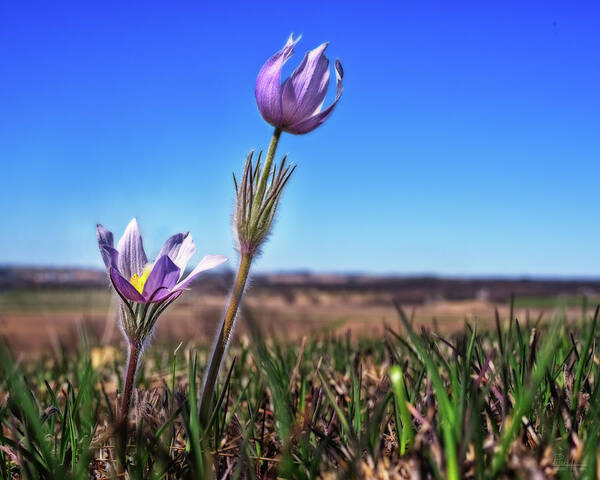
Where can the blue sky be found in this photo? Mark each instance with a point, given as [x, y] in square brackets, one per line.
[466, 140]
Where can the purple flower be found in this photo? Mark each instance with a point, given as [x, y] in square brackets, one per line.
[138, 281]
[296, 106]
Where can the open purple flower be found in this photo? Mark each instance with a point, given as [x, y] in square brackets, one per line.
[141, 282]
[296, 105]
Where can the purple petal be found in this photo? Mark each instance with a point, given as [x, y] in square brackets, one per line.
[180, 248]
[105, 242]
[268, 84]
[164, 276]
[168, 296]
[132, 257]
[305, 90]
[105, 237]
[318, 118]
[175, 295]
[110, 256]
[124, 287]
[208, 262]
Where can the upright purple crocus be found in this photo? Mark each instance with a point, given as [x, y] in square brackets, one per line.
[146, 289]
[296, 105]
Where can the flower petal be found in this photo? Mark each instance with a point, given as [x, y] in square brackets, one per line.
[164, 276]
[105, 236]
[124, 287]
[132, 257]
[208, 262]
[105, 242]
[268, 84]
[110, 256]
[305, 90]
[180, 248]
[168, 296]
[318, 118]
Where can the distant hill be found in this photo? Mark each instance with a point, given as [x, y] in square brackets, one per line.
[413, 289]
[15, 277]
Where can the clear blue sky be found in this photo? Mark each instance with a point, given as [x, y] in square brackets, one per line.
[467, 140]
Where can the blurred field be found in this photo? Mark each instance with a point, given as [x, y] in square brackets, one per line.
[46, 314]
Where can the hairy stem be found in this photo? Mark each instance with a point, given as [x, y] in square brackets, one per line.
[267, 169]
[133, 358]
[223, 339]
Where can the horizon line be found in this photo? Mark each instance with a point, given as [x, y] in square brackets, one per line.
[347, 273]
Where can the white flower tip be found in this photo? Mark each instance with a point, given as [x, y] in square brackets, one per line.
[207, 262]
[212, 261]
[132, 224]
[291, 41]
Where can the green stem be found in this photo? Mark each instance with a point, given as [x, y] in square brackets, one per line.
[266, 170]
[220, 347]
[223, 338]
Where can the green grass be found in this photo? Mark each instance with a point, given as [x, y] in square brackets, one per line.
[562, 301]
[55, 300]
[513, 401]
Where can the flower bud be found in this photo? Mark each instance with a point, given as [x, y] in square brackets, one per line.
[296, 105]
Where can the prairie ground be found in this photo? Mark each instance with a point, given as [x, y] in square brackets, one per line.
[514, 401]
[34, 320]
[319, 383]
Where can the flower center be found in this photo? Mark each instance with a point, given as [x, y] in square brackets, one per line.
[138, 281]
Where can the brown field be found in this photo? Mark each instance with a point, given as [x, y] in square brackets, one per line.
[39, 317]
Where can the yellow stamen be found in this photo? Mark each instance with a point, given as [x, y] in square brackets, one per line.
[138, 281]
